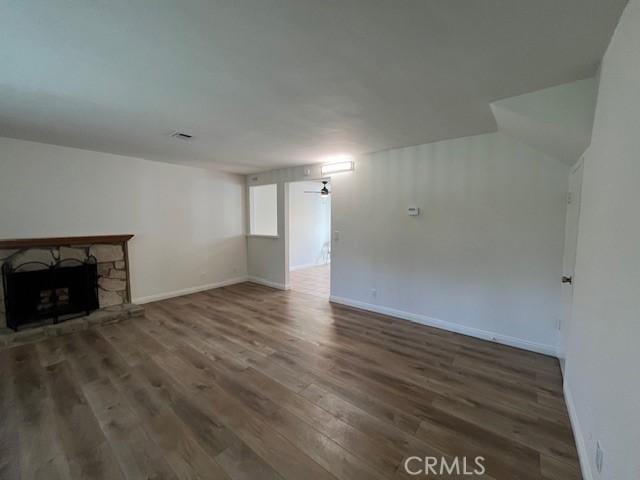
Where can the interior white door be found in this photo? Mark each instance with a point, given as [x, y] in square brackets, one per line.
[569, 259]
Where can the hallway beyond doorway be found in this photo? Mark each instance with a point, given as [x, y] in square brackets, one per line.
[313, 280]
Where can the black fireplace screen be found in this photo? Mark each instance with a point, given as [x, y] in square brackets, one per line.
[35, 292]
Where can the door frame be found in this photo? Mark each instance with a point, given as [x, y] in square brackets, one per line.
[566, 297]
[287, 226]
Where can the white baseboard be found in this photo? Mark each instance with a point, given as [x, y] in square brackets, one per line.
[269, 283]
[187, 291]
[583, 452]
[450, 326]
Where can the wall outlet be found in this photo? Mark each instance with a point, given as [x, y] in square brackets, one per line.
[374, 293]
[599, 457]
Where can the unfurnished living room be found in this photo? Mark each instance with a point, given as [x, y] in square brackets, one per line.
[320, 239]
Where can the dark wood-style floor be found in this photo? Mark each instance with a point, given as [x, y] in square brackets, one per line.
[246, 382]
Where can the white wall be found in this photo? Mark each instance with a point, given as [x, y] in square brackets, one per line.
[485, 254]
[188, 223]
[309, 225]
[601, 374]
[484, 257]
[268, 258]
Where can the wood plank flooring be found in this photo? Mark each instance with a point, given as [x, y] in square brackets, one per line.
[246, 382]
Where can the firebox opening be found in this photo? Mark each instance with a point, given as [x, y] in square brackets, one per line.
[57, 292]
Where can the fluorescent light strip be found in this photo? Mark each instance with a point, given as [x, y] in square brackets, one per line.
[336, 167]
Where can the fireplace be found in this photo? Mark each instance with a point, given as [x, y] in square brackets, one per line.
[35, 292]
[45, 281]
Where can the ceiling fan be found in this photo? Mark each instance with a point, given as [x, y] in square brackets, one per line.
[324, 191]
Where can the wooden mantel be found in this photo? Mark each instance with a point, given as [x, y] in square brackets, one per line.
[66, 241]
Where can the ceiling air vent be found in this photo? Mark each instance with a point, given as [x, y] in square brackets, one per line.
[182, 136]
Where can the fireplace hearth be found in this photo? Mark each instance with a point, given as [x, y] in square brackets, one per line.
[35, 292]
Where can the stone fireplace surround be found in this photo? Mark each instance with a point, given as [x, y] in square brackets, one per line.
[114, 291]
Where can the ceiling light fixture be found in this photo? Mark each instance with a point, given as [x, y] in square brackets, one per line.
[324, 191]
[344, 165]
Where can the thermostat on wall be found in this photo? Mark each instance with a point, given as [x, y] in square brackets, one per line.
[413, 211]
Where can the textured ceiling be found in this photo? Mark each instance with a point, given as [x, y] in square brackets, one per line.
[271, 83]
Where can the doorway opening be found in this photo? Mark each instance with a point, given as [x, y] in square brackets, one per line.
[310, 237]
